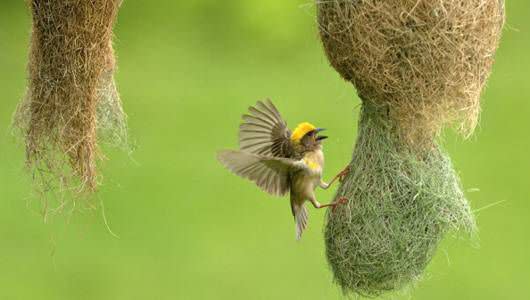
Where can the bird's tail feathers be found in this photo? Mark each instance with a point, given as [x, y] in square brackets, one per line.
[300, 218]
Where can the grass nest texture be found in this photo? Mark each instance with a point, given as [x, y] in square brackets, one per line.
[418, 66]
[401, 204]
[71, 102]
[428, 59]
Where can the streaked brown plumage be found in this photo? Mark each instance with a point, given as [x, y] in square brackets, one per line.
[280, 161]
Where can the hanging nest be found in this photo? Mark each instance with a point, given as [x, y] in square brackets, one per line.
[417, 66]
[428, 60]
[71, 95]
[401, 204]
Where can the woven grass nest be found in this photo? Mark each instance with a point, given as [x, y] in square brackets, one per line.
[418, 66]
[72, 102]
[428, 60]
[401, 205]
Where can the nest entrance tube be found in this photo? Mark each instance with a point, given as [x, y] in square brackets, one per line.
[418, 66]
[401, 203]
[71, 102]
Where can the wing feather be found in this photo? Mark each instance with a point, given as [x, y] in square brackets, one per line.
[271, 174]
[252, 119]
[262, 116]
[264, 131]
[269, 109]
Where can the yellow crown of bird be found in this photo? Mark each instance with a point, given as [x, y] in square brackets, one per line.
[301, 130]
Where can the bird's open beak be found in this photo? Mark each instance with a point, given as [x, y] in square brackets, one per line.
[321, 137]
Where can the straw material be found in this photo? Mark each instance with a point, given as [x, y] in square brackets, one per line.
[401, 204]
[71, 93]
[418, 66]
[428, 60]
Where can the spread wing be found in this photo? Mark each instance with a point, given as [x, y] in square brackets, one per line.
[271, 174]
[264, 132]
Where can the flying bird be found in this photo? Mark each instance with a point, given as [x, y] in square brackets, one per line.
[280, 161]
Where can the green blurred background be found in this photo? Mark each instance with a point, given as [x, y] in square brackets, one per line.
[190, 230]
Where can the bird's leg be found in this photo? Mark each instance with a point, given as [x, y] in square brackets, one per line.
[339, 176]
[316, 204]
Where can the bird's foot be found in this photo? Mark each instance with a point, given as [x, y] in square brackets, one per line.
[340, 201]
[344, 173]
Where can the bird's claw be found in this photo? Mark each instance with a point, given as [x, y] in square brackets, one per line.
[344, 173]
[341, 200]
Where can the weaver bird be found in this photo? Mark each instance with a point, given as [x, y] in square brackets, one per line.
[281, 161]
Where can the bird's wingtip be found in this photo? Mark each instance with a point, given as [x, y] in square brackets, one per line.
[221, 155]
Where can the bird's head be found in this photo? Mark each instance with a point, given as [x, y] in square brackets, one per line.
[306, 136]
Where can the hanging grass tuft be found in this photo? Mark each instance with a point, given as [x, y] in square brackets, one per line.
[71, 102]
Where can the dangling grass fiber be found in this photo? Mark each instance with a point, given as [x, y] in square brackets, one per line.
[401, 203]
[71, 95]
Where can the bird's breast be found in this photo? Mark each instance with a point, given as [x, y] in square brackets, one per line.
[314, 161]
[303, 182]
